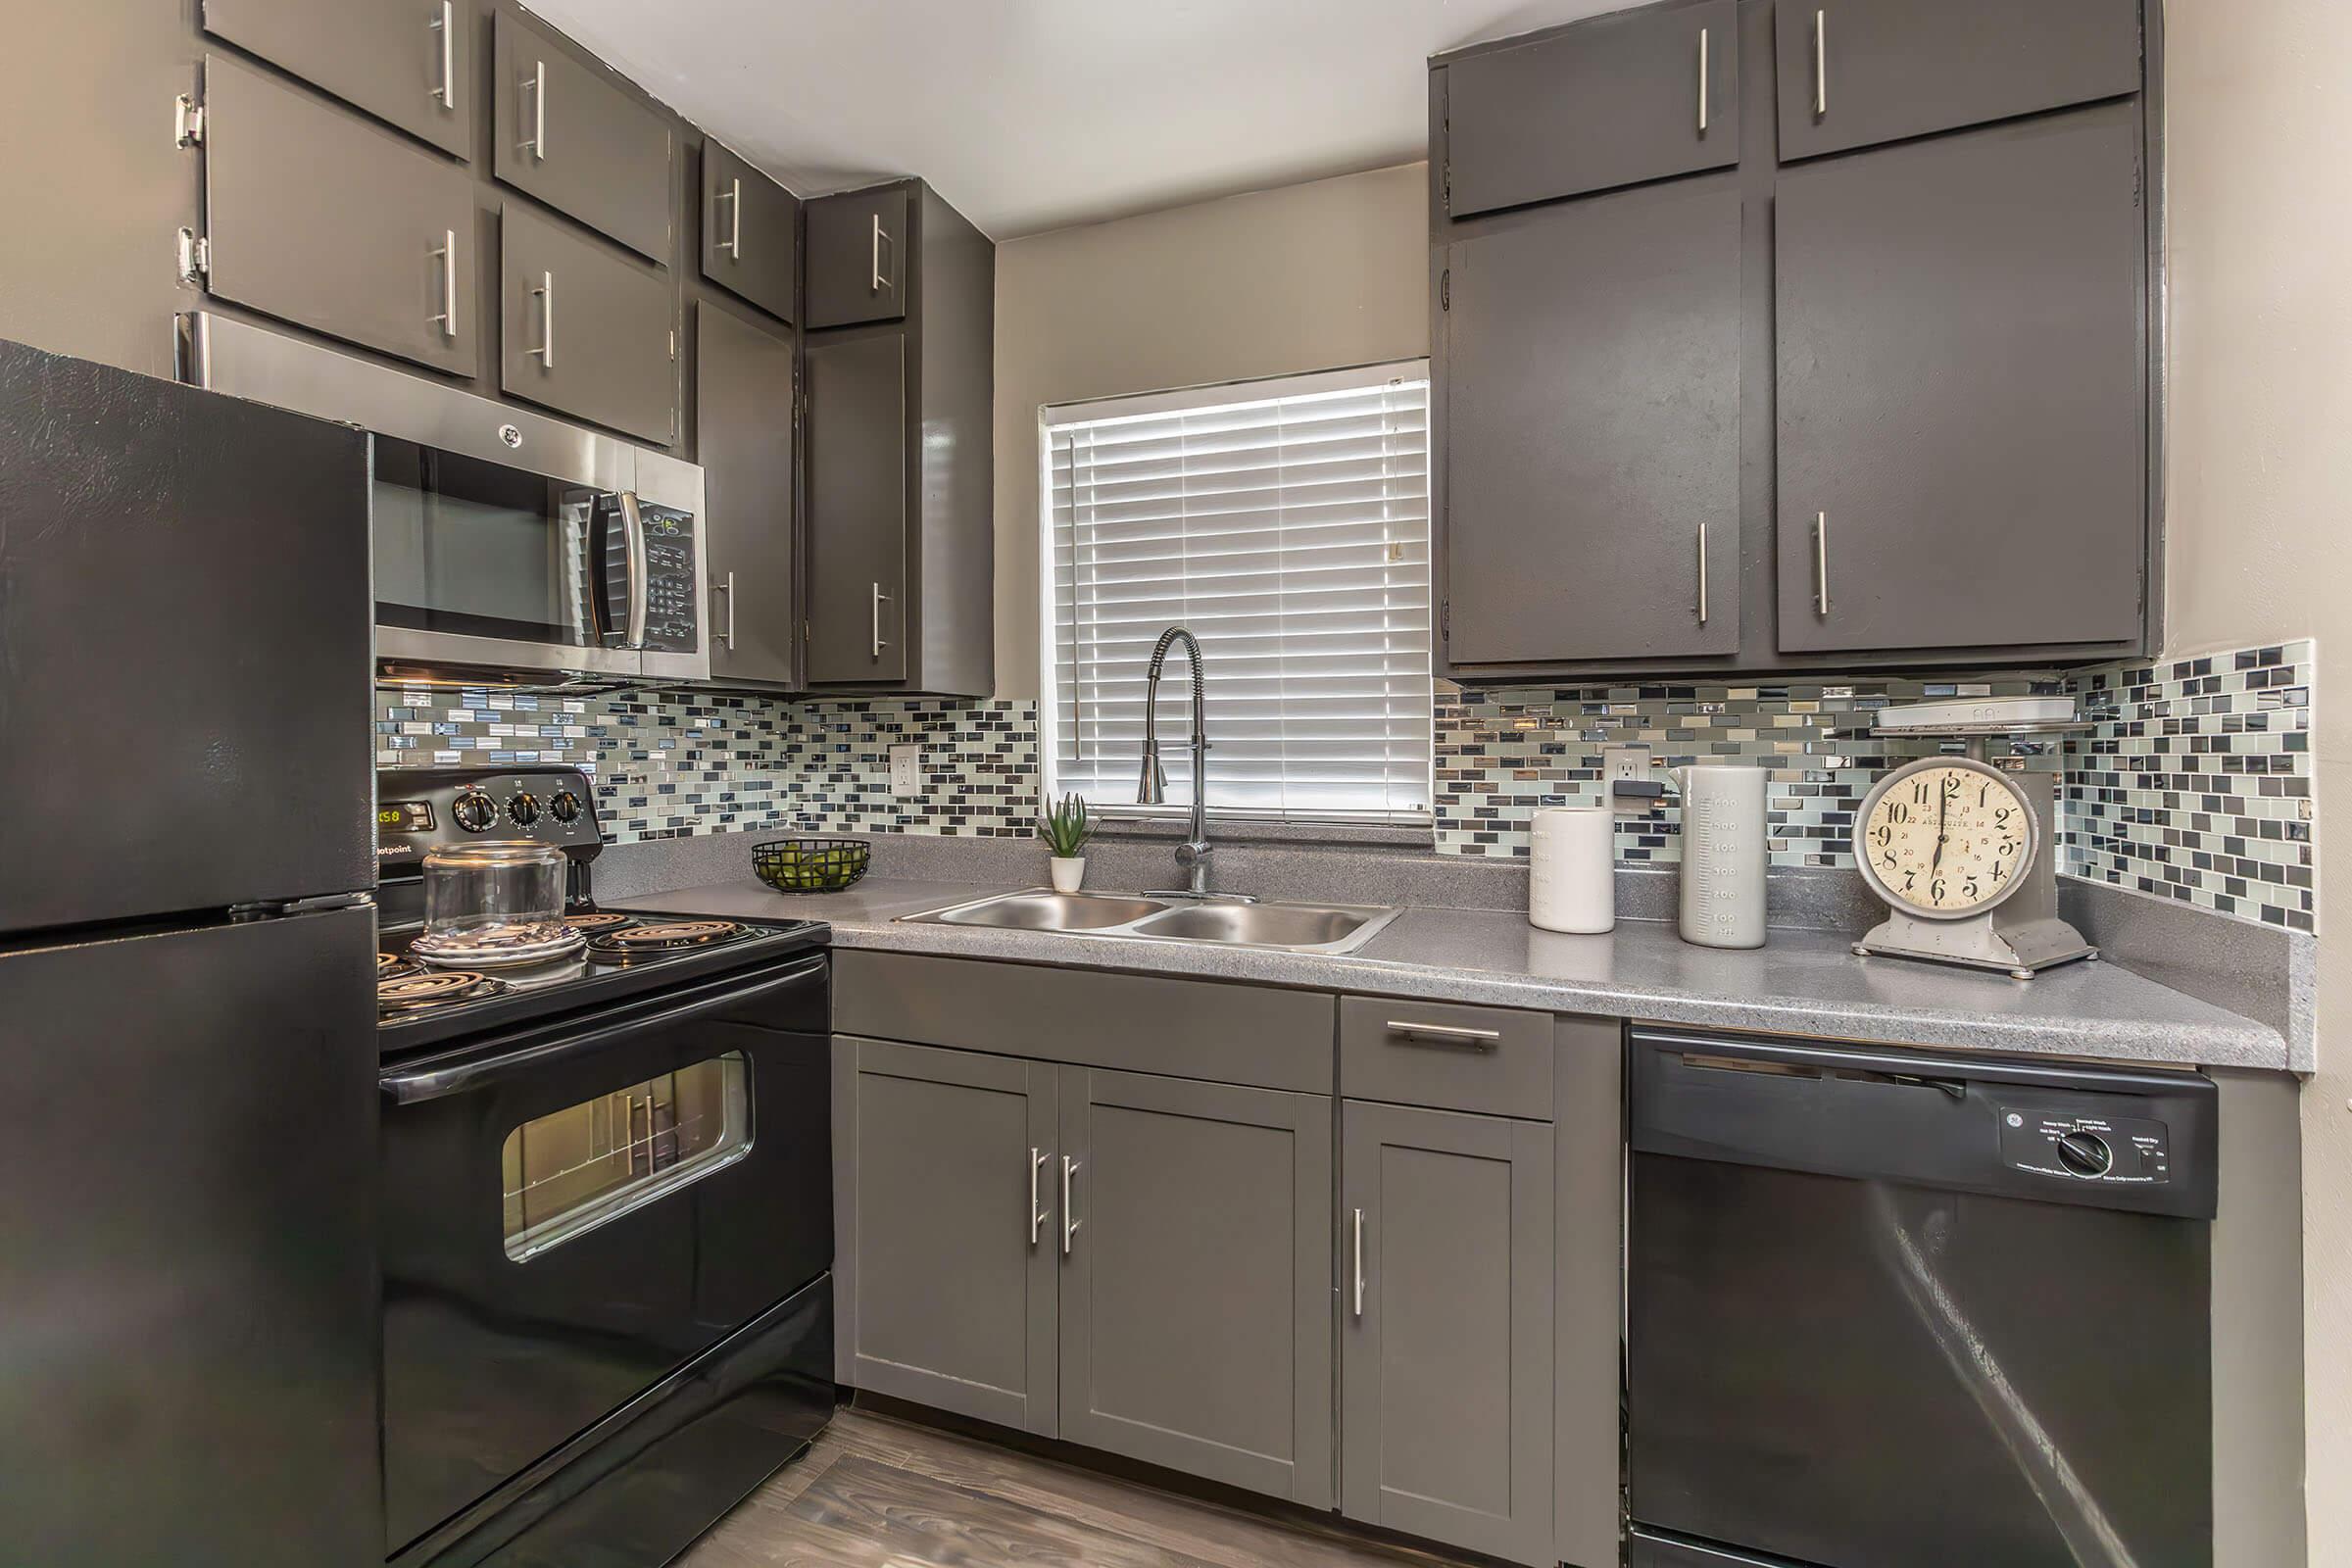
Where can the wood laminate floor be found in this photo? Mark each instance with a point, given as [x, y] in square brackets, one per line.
[880, 1493]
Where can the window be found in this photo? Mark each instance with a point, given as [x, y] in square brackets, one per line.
[1286, 523]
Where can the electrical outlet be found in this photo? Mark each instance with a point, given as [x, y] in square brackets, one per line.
[1629, 763]
[906, 769]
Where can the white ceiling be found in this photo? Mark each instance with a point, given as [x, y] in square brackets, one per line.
[1030, 115]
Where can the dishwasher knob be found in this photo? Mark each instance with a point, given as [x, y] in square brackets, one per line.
[2085, 1153]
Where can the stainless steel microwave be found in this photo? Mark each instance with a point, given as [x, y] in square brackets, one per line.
[506, 542]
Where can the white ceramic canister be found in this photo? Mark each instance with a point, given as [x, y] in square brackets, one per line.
[1722, 853]
[1572, 869]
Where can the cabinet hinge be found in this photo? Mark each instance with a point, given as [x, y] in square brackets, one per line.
[188, 121]
[195, 257]
[1445, 289]
[673, 343]
[1445, 188]
[1446, 618]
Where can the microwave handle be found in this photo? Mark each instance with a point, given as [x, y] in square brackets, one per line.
[415, 1088]
[632, 533]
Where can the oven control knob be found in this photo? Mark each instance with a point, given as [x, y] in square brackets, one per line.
[523, 809]
[565, 807]
[2085, 1153]
[475, 812]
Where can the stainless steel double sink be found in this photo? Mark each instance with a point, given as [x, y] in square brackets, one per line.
[1225, 922]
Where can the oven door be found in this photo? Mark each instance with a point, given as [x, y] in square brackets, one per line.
[573, 1210]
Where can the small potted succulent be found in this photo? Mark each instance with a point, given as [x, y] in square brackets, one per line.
[1065, 827]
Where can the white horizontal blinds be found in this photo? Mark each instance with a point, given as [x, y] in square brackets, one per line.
[1287, 525]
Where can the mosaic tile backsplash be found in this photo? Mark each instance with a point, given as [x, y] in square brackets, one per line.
[2195, 783]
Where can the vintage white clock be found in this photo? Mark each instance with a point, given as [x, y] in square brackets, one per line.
[1959, 851]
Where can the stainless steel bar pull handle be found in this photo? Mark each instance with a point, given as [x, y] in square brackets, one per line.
[880, 282]
[1702, 81]
[1702, 574]
[880, 599]
[448, 252]
[537, 146]
[728, 588]
[447, 27]
[1037, 1215]
[1821, 563]
[733, 243]
[1821, 64]
[1452, 1034]
[1069, 1218]
[546, 295]
[1359, 1262]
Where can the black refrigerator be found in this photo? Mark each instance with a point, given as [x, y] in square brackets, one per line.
[187, 1054]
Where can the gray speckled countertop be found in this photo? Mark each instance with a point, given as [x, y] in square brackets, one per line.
[1803, 982]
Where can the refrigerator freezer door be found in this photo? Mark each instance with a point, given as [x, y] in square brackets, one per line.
[188, 1220]
[185, 649]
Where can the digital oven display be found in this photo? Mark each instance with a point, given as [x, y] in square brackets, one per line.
[404, 816]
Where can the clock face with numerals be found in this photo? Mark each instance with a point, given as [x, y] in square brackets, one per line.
[1946, 837]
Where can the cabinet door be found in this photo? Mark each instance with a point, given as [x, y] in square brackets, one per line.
[1853, 72]
[323, 220]
[570, 134]
[1196, 1285]
[1445, 1342]
[751, 232]
[1962, 458]
[743, 423]
[409, 63]
[1591, 428]
[857, 526]
[585, 329]
[1615, 100]
[944, 1197]
[858, 257]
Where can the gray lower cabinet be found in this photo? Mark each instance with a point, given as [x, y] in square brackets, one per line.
[1617, 101]
[568, 131]
[945, 1259]
[857, 523]
[585, 329]
[743, 389]
[1446, 1327]
[1591, 502]
[1196, 1277]
[409, 63]
[1855, 73]
[858, 257]
[751, 232]
[1962, 440]
[317, 217]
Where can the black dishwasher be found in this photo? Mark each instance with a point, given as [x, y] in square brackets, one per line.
[1890, 1309]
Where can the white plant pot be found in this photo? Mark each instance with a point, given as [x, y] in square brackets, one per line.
[1068, 872]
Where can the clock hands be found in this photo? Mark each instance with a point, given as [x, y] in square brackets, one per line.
[1944, 807]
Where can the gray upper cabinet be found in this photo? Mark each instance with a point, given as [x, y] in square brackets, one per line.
[1617, 101]
[569, 134]
[857, 525]
[323, 220]
[1961, 442]
[1446, 1327]
[946, 1177]
[1853, 72]
[1590, 359]
[1196, 1277]
[751, 232]
[585, 329]
[744, 387]
[858, 257]
[409, 63]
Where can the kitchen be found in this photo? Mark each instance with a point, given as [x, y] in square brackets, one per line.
[711, 494]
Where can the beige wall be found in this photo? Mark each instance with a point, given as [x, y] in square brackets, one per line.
[2258, 479]
[1308, 277]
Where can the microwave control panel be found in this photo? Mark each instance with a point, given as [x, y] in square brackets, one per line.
[670, 571]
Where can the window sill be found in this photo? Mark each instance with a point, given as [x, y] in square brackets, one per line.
[1271, 830]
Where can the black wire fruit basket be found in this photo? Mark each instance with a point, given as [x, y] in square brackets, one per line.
[811, 865]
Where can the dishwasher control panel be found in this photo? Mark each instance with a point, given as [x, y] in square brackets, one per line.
[2073, 1142]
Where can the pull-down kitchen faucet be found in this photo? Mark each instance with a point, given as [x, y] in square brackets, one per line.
[1193, 852]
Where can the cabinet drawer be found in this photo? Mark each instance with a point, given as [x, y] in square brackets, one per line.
[409, 63]
[1616, 101]
[1492, 1059]
[858, 257]
[1233, 1034]
[1856, 72]
[567, 133]
[584, 329]
[324, 220]
[751, 232]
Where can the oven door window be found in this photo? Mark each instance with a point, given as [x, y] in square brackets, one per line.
[568, 1172]
[480, 550]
